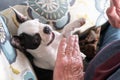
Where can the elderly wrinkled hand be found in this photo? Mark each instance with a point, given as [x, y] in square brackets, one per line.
[113, 13]
[69, 65]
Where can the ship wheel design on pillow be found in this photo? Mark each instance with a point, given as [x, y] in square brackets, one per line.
[52, 11]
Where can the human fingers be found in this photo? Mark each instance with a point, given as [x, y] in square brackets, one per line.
[113, 17]
[61, 48]
[70, 45]
[116, 4]
[76, 50]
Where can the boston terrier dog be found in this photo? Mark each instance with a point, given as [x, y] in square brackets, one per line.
[40, 40]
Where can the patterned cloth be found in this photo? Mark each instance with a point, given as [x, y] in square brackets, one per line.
[11, 60]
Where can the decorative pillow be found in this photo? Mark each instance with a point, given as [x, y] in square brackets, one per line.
[13, 64]
[58, 13]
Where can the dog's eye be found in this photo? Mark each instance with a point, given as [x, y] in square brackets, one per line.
[47, 30]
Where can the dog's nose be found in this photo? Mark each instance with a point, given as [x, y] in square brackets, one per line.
[46, 30]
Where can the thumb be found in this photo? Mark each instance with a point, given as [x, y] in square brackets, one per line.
[113, 16]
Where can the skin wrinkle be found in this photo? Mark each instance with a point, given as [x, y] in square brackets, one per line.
[69, 50]
[73, 67]
[76, 70]
[72, 40]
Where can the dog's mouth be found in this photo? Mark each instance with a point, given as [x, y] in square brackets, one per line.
[53, 37]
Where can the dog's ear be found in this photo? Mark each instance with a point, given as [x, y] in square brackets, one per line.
[15, 42]
[19, 16]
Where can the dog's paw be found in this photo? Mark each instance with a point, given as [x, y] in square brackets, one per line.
[81, 21]
[77, 23]
[70, 28]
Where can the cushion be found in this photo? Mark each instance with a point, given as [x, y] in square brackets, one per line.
[58, 13]
[13, 64]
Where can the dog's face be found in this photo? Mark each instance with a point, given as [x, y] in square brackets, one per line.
[32, 34]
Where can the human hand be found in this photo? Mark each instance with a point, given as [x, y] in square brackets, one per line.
[69, 65]
[113, 13]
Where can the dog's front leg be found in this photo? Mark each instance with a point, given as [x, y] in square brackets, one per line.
[69, 28]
